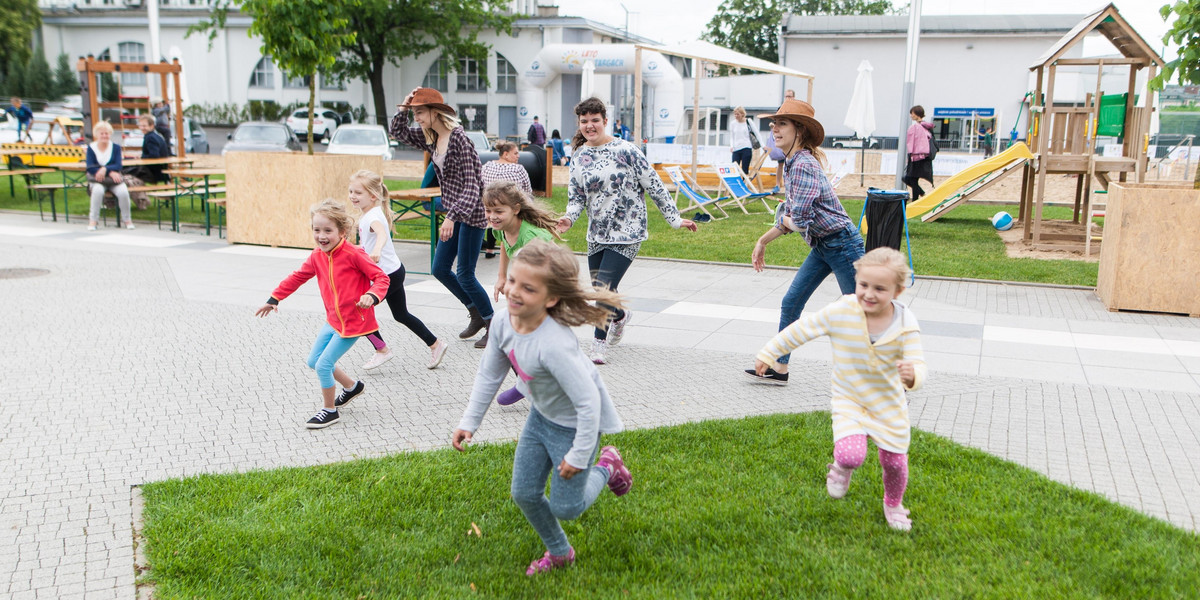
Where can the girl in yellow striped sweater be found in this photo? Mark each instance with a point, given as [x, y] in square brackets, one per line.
[876, 358]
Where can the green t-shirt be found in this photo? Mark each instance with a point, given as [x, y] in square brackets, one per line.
[528, 232]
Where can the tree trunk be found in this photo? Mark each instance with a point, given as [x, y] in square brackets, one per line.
[312, 100]
[377, 95]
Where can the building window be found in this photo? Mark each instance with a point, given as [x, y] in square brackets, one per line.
[437, 77]
[470, 77]
[506, 75]
[295, 82]
[132, 52]
[329, 82]
[264, 74]
[473, 116]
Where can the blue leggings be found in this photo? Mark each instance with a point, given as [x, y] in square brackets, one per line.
[326, 351]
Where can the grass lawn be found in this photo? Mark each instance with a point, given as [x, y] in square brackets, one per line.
[78, 203]
[719, 509]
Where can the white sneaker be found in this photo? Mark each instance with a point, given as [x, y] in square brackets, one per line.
[599, 350]
[378, 359]
[91, 226]
[129, 225]
[616, 329]
[439, 351]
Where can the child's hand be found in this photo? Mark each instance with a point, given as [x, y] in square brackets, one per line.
[908, 375]
[566, 471]
[760, 367]
[265, 310]
[499, 289]
[367, 301]
[459, 438]
[375, 256]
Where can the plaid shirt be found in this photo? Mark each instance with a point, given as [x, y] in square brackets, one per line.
[498, 170]
[812, 203]
[462, 187]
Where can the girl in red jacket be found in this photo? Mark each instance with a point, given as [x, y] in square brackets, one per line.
[351, 285]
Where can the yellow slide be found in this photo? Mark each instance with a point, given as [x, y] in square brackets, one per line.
[972, 174]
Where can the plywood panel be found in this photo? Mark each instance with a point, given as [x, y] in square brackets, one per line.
[269, 193]
[1150, 256]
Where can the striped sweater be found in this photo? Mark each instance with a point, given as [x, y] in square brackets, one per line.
[868, 396]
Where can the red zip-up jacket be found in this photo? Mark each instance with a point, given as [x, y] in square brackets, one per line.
[344, 275]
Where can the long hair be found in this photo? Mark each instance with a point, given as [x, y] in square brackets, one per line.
[373, 183]
[334, 211]
[889, 258]
[591, 106]
[807, 141]
[447, 119]
[561, 274]
[508, 193]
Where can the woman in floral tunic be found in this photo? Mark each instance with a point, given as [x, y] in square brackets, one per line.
[609, 179]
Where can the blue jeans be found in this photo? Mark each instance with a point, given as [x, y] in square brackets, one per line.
[607, 268]
[834, 253]
[464, 244]
[540, 450]
[326, 351]
[741, 157]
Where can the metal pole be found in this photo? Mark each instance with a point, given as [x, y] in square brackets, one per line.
[909, 92]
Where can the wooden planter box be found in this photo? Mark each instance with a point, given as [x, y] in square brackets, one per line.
[268, 194]
[1150, 256]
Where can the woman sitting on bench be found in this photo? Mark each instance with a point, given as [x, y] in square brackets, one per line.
[104, 175]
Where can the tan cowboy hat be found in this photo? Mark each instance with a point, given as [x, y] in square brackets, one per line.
[801, 111]
[431, 98]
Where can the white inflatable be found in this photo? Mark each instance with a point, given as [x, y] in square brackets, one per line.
[557, 59]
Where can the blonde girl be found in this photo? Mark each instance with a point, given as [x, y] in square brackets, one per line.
[877, 359]
[570, 404]
[351, 285]
[368, 194]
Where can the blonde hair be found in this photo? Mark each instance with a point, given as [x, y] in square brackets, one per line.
[334, 211]
[561, 275]
[508, 193]
[372, 182]
[101, 126]
[739, 111]
[447, 119]
[888, 258]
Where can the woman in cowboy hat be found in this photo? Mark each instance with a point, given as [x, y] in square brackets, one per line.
[813, 210]
[458, 169]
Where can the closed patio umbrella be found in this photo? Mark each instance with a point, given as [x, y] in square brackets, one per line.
[860, 116]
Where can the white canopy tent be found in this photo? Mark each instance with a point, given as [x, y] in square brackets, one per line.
[701, 52]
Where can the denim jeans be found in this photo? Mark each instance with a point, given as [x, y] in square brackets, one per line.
[607, 268]
[834, 253]
[742, 158]
[540, 450]
[463, 244]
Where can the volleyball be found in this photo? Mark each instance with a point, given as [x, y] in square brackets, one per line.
[1002, 221]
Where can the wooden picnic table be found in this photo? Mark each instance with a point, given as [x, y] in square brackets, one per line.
[413, 201]
[190, 191]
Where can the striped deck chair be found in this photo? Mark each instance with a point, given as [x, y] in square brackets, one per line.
[695, 196]
[740, 190]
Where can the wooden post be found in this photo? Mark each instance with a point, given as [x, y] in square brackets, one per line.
[699, 68]
[1040, 194]
[1022, 210]
[549, 190]
[1129, 147]
[637, 94]
[1147, 112]
[179, 132]
[93, 98]
[810, 88]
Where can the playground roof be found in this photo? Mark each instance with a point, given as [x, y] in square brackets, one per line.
[708, 52]
[1109, 23]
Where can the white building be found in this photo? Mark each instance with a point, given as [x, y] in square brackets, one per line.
[234, 71]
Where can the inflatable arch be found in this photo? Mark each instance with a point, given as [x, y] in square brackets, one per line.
[557, 59]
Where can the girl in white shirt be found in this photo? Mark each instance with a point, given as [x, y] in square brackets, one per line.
[368, 194]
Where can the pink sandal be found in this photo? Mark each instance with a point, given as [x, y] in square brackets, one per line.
[549, 562]
[619, 480]
[897, 517]
[837, 481]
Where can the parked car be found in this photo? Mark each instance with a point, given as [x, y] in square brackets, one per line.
[855, 142]
[261, 136]
[368, 140]
[194, 142]
[39, 129]
[480, 140]
[326, 122]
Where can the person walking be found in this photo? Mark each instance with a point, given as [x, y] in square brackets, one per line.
[536, 133]
[920, 159]
[742, 139]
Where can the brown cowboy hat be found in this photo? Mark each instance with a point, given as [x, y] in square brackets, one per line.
[431, 98]
[802, 112]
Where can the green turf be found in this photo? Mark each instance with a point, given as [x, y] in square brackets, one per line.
[190, 210]
[719, 509]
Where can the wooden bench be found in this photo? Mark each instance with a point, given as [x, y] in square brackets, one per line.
[45, 191]
[190, 189]
[31, 176]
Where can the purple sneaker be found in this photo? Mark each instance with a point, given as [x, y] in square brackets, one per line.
[510, 396]
[619, 480]
[550, 562]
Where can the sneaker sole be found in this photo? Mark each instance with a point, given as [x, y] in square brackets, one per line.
[437, 357]
[321, 425]
[764, 380]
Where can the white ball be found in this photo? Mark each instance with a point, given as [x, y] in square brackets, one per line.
[1002, 221]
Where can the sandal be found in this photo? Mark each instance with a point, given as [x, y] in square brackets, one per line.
[897, 517]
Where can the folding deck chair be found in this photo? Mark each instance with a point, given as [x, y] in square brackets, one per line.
[740, 190]
[696, 196]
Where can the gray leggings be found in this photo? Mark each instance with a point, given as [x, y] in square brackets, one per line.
[120, 190]
[540, 449]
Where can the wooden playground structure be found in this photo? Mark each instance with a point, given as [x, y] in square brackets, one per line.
[1063, 138]
[91, 68]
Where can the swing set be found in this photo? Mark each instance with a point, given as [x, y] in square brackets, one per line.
[91, 70]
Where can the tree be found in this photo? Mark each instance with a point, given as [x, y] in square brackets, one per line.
[1184, 33]
[19, 19]
[752, 26]
[66, 81]
[303, 37]
[15, 80]
[39, 82]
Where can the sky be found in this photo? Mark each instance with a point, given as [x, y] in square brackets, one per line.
[673, 21]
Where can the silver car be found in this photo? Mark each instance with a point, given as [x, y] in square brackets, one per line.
[262, 136]
[363, 140]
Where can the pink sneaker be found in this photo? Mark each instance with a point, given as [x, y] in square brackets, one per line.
[550, 562]
[837, 481]
[897, 517]
[619, 480]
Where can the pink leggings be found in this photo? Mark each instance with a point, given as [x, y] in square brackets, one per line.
[850, 452]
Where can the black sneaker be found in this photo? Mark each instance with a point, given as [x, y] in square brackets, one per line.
[322, 419]
[771, 378]
[346, 396]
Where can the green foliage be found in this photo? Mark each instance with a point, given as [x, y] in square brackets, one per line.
[39, 81]
[109, 90]
[19, 20]
[66, 79]
[1185, 33]
[14, 81]
[752, 26]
